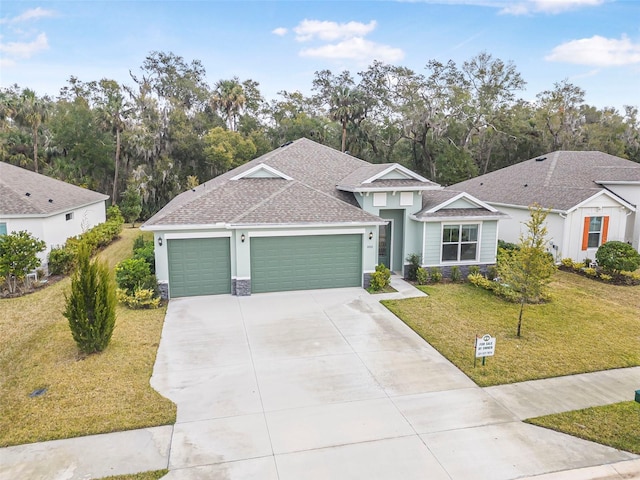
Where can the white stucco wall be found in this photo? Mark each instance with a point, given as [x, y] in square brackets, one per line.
[55, 229]
[631, 194]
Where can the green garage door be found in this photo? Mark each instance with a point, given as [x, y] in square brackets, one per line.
[199, 266]
[306, 262]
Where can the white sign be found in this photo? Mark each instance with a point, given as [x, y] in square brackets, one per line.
[485, 346]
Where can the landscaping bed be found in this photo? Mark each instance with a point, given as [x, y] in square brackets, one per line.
[81, 395]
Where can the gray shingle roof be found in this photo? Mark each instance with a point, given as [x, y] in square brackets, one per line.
[561, 181]
[434, 198]
[46, 196]
[311, 197]
[355, 180]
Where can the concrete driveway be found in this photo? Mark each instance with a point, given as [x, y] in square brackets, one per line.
[327, 384]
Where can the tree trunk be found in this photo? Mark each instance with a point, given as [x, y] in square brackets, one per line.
[35, 149]
[114, 198]
[520, 317]
[344, 136]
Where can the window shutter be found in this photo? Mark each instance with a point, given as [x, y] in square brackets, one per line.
[605, 229]
[585, 233]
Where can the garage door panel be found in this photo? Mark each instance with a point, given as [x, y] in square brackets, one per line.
[305, 262]
[199, 266]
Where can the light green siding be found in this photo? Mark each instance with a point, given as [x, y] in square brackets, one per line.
[488, 241]
[305, 262]
[462, 203]
[432, 240]
[199, 266]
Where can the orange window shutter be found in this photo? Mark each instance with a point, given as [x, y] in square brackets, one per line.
[585, 233]
[605, 229]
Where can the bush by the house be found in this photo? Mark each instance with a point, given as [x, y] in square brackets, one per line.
[422, 276]
[455, 274]
[91, 305]
[502, 291]
[381, 278]
[616, 257]
[137, 283]
[412, 269]
[473, 269]
[435, 274]
[622, 277]
[62, 260]
[18, 256]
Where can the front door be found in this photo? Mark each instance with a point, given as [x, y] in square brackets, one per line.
[384, 244]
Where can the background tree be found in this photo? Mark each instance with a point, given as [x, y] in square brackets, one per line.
[131, 205]
[91, 305]
[528, 269]
[31, 111]
[229, 99]
[18, 256]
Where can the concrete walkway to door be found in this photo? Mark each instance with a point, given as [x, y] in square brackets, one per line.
[329, 384]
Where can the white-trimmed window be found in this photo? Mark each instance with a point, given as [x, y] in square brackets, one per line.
[595, 232]
[68, 216]
[3, 228]
[460, 243]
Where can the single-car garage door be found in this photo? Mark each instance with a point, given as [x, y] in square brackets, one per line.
[305, 262]
[199, 266]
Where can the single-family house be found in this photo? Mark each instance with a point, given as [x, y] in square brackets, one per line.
[593, 197]
[49, 209]
[306, 216]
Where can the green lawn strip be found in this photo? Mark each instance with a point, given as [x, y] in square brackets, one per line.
[616, 425]
[152, 475]
[100, 393]
[588, 326]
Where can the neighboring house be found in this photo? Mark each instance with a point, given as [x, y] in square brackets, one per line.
[306, 216]
[593, 198]
[49, 209]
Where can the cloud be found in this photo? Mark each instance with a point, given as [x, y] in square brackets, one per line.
[597, 51]
[331, 31]
[280, 31]
[357, 49]
[31, 14]
[547, 6]
[25, 49]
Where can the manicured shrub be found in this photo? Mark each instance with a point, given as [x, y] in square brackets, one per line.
[132, 274]
[412, 269]
[142, 298]
[146, 253]
[629, 278]
[616, 256]
[18, 256]
[605, 278]
[474, 269]
[381, 278]
[61, 261]
[507, 246]
[455, 273]
[114, 215]
[567, 263]
[422, 276]
[435, 274]
[91, 305]
[591, 272]
[139, 242]
[492, 272]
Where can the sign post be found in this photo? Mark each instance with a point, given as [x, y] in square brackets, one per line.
[485, 347]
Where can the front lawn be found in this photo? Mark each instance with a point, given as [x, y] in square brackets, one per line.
[84, 395]
[616, 425]
[588, 326]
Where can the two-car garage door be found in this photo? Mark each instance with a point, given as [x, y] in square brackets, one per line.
[202, 266]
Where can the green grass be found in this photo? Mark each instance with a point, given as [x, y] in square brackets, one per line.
[588, 326]
[152, 475]
[100, 393]
[616, 425]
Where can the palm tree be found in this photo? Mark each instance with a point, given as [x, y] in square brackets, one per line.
[31, 112]
[347, 105]
[114, 111]
[229, 98]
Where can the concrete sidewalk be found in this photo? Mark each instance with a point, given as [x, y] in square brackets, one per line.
[329, 384]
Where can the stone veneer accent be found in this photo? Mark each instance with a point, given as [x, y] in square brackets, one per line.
[163, 288]
[366, 280]
[446, 269]
[241, 288]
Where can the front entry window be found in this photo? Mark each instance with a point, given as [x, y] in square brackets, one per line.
[459, 243]
[384, 245]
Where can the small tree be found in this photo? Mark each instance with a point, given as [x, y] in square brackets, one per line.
[617, 256]
[528, 269]
[91, 305]
[131, 205]
[18, 256]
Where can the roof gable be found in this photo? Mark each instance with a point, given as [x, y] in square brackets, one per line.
[261, 171]
[26, 193]
[396, 172]
[449, 204]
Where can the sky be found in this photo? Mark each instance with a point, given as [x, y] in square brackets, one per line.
[594, 44]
